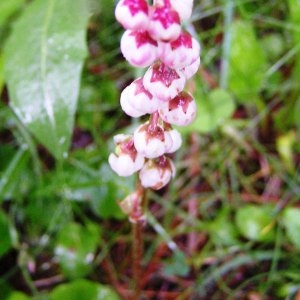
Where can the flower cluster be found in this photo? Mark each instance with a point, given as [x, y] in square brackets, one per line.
[154, 39]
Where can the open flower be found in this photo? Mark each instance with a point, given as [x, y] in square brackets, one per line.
[126, 160]
[157, 173]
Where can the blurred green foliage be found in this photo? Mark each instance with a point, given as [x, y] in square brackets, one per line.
[227, 225]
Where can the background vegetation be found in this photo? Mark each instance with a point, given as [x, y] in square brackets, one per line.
[227, 227]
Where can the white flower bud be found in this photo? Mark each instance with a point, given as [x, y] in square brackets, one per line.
[191, 70]
[183, 7]
[181, 52]
[137, 101]
[125, 161]
[126, 104]
[164, 23]
[157, 173]
[151, 142]
[180, 111]
[132, 14]
[176, 140]
[138, 48]
[163, 82]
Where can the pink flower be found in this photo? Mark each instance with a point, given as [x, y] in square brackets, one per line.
[139, 48]
[163, 82]
[176, 140]
[164, 23]
[125, 161]
[132, 14]
[157, 173]
[181, 52]
[191, 70]
[180, 111]
[183, 7]
[151, 141]
[137, 101]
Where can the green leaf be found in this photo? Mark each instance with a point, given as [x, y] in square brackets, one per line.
[291, 222]
[256, 222]
[11, 175]
[17, 296]
[45, 55]
[7, 8]
[213, 111]
[177, 266]
[83, 289]
[222, 230]
[75, 248]
[247, 62]
[1, 71]
[6, 240]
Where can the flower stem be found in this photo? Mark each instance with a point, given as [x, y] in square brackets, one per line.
[137, 253]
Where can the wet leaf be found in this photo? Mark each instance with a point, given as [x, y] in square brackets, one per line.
[83, 289]
[247, 62]
[255, 222]
[75, 248]
[291, 222]
[45, 54]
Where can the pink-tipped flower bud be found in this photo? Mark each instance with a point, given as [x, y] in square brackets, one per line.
[139, 49]
[157, 173]
[191, 70]
[132, 14]
[181, 52]
[183, 7]
[137, 101]
[163, 82]
[180, 111]
[151, 141]
[164, 23]
[126, 160]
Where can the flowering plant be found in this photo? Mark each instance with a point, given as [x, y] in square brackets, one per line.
[154, 39]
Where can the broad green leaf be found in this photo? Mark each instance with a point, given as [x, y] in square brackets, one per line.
[5, 240]
[222, 230]
[7, 8]
[255, 222]
[213, 111]
[83, 289]
[75, 248]
[291, 222]
[247, 62]
[45, 55]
